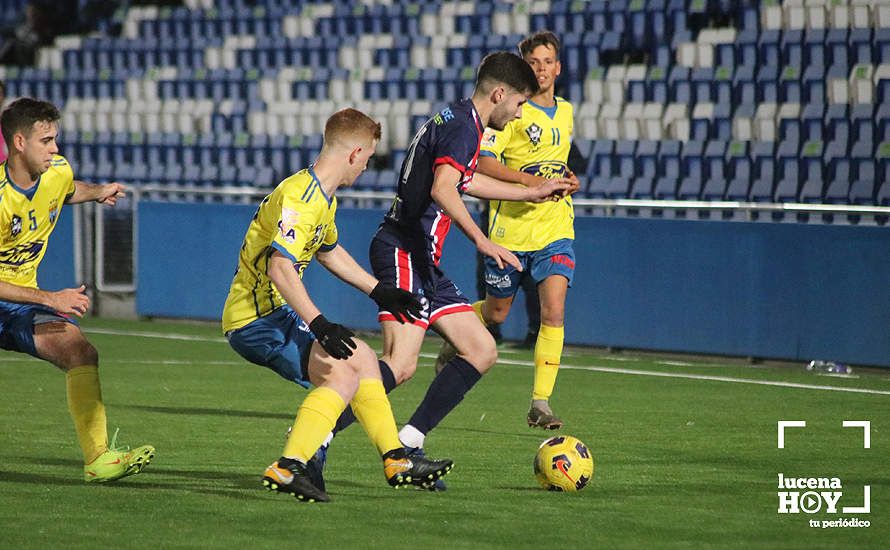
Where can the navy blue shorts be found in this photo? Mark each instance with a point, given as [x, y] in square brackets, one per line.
[396, 266]
[557, 258]
[17, 325]
[280, 341]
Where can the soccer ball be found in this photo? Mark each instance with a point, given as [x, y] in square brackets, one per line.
[563, 463]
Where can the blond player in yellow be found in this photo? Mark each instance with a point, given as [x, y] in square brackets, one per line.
[35, 182]
[528, 151]
[270, 320]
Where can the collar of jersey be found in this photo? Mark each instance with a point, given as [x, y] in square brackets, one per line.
[28, 193]
[317, 181]
[549, 111]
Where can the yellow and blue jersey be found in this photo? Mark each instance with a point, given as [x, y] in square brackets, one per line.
[537, 143]
[28, 217]
[297, 220]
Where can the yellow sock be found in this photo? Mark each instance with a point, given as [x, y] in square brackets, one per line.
[374, 413]
[87, 410]
[548, 351]
[315, 419]
[477, 307]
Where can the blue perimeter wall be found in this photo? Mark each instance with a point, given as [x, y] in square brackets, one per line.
[772, 290]
[56, 271]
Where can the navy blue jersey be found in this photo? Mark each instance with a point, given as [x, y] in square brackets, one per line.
[414, 221]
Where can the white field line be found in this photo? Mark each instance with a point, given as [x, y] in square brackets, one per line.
[636, 372]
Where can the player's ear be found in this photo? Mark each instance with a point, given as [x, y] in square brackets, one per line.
[498, 94]
[18, 141]
[354, 155]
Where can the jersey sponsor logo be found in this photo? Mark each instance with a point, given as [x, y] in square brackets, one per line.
[301, 267]
[316, 238]
[21, 254]
[53, 211]
[443, 116]
[287, 223]
[547, 169]
[488, 138]
[15, 226]
[534, 133]
[497, 281]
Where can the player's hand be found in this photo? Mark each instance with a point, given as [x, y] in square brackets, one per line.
[110, 192]
[500, 254]
[553, 189]
[403, 305]
[575, 182]
[333, 338]
[70, 301]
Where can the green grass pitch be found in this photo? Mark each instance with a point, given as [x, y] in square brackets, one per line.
[686, 461]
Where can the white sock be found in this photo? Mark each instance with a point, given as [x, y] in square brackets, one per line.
[327, 440]
[411, 436]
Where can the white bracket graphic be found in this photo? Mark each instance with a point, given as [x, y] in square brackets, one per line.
[788, 424]
[866, 503]
[866, 431]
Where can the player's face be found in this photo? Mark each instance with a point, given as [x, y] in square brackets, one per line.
[358, 161]
[508, 108]
[39, 146]
[545, 63]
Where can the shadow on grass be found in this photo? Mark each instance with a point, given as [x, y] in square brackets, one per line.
[225, 484]
[204, 411]
[530, 434]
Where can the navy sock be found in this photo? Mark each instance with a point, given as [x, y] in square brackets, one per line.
[347, 417]
[445, 392]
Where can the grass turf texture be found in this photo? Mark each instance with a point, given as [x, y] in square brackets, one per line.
[679, 462]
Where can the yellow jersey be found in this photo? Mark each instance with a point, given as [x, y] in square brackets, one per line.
[28, 217]
[297, 220]
[536, 143]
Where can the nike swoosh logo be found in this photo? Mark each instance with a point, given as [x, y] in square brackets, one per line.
[118, 461]
[562, 466]
[551, 364]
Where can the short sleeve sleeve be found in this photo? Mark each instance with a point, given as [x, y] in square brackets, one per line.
[494, 142]
[296, 227]
[457, 145]
[330, 239]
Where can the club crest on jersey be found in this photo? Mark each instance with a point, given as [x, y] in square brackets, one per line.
[534, 134]
[15, 226]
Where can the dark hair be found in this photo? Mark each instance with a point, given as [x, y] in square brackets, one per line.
[22, 114]
[540, 38]
[350, 122]
[508, 69]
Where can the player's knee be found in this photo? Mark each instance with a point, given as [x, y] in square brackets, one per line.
[81, 354]
[496, 314]
[364, 361]
[552, 316]
[482, 353]
[403, 368]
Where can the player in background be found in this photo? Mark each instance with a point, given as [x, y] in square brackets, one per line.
[266, 312]
[529, 151]
[35, 182]
[439, 167]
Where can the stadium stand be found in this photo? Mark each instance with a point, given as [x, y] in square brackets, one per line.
[763, 101]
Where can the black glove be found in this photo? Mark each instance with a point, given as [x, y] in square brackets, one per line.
[333, 338]
[400, 303]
